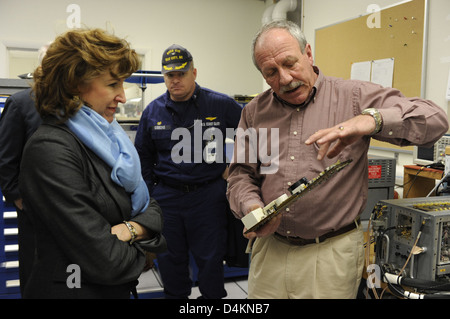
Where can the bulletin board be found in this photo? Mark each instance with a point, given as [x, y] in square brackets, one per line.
[401, 35]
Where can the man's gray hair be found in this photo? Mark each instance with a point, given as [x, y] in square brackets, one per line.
[293, 28]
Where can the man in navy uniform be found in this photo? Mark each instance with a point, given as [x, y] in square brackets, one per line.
[180, 140]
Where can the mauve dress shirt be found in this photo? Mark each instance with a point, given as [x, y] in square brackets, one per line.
[340, 200]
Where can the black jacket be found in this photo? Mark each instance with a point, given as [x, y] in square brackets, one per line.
[18, 122]
[69, 194]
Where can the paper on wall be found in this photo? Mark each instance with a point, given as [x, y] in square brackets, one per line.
[377, 71]
[383, 72]
[361, 71]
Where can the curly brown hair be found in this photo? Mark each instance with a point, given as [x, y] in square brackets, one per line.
[73, 59]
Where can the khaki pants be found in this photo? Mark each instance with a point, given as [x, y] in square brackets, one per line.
[328, 270]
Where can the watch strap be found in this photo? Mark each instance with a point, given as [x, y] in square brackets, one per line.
[377, 117]
[132, 230]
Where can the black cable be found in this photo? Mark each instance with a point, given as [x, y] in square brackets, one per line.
[425, 284]
[436, 296]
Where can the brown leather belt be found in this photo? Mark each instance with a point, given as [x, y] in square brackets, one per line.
[298, 241]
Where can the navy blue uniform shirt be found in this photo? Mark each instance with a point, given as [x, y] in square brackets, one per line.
[174, 138]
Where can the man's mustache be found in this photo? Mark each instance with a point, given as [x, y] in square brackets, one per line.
[291, 86]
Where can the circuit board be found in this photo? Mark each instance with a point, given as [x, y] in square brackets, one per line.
[258, 217]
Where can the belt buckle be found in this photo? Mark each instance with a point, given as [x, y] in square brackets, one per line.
[185, 188]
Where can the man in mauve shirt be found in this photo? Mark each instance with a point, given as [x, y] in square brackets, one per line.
[309, 121]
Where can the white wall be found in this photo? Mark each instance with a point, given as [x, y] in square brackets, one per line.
[438, 65]
[218, 33]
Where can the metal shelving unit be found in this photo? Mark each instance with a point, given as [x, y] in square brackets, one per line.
[9, 252]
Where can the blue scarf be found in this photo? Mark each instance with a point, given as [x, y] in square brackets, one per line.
[110, 142]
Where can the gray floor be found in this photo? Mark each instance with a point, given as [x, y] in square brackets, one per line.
[150, 286]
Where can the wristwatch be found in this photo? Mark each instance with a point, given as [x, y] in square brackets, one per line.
[377, 117]
[132, 232]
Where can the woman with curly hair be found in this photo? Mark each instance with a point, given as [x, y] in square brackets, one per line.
[80, 177]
